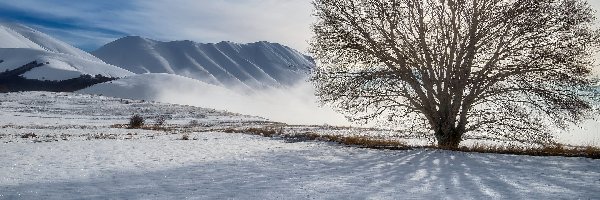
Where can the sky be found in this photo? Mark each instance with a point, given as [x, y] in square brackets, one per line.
[91, 24]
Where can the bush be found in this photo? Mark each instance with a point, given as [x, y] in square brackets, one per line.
[194, 123]
[263, 131]
[185, 137]
[136, 121]
[160, 121]
[29, 135]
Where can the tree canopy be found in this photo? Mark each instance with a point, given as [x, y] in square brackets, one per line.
[456, 69]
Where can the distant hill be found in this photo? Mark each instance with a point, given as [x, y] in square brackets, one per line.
[20, 45]
[255, 65]
[14, 35]
[13, 81]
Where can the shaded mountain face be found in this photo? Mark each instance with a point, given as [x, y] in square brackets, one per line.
[20, 45]
[254, 65]
[13, 81]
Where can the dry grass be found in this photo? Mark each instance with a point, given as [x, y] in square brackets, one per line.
[119, 126]
[147, 127]
[266, 132]
[358, 141]
[592, 150]
[29, 135]
[372, 143]
[555, 149]
[102, 136]
[262, 131]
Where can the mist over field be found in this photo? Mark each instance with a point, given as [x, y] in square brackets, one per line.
[299, 105]
[294, 105]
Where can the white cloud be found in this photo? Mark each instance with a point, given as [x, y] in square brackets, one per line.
[287, 22]
[282, 21]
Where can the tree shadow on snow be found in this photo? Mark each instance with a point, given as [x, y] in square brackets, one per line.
[342, 173]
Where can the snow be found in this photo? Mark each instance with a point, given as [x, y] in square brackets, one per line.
[11, 39]
[20, 45]
[248, 66]
[59, 67]
[144, 164]
[295, 104]
[14, 35]
[57, 70]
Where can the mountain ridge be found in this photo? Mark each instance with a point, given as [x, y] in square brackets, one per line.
[14, 35]
[20, 44]
[254, 65]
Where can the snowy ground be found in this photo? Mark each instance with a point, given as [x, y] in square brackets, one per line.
[77, 155]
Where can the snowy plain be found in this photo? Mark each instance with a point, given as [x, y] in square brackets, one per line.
[77, 155]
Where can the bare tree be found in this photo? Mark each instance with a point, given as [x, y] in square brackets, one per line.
[496, 69]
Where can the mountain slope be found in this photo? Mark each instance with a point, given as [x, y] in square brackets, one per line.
[21, 36]
[20, 45]
[57, 66]
[253, 65]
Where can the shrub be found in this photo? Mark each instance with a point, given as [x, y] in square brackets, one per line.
[194, 123]
[263, 131]
[230, 130]
[136, 121]
[160, 121]
[29, 135]
[592, 151]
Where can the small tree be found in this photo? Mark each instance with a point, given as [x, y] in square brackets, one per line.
[496, 69]
[136, 121]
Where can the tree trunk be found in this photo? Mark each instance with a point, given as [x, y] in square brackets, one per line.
[448, 137]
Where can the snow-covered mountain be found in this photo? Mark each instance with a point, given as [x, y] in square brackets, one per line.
[20, 45]
[254, 65]
[264, 79]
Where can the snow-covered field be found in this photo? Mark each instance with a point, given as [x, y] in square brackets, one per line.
[77, 155]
